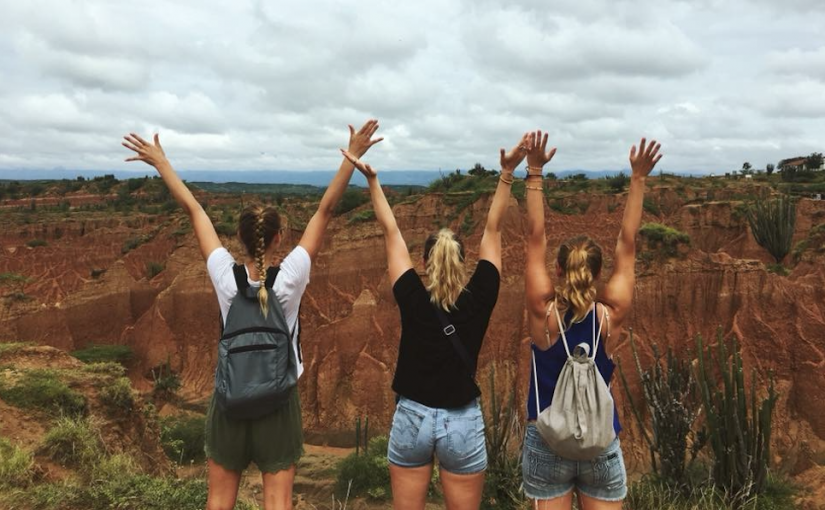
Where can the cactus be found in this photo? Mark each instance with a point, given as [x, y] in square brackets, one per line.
[739, 430]
[366, 430]
[670, 395]
[772, 224]
[358, 435]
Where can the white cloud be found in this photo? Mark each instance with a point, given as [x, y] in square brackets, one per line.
[256, 85]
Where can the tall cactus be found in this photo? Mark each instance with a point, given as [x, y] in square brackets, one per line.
[772, 223]
[740, 433]
[670, 395]
[358, 435]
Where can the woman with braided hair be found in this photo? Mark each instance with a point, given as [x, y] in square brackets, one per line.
[275, 441]
[571, 312]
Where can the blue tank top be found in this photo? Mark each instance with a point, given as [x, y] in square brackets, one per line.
[550, 362]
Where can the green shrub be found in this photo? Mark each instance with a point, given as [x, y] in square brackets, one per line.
[226, 229]
[118, 396]
[651, 207]
[618, 182]
[35, 243]
[132, 243]
[166, 381]
[664, 239]
[362, 216]
[104, 354]
[351, 199]
[365, 475]
[41, 389]
[73, 442]
[16, 465]
[183, 438]
[153, 269]
[503, 437]
[778, 269]
[110, 368]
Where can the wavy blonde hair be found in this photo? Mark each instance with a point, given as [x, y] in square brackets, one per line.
[257, 227]
[444, 258]
[580, 258]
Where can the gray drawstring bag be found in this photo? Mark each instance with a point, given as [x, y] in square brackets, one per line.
[578, 425]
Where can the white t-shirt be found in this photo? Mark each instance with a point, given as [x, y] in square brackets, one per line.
[289, 286]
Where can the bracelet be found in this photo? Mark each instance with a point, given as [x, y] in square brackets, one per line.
[528, 176]
[539, 188]
[506, 181]
[536, 169]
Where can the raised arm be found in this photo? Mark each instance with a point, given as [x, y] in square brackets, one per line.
[153, 155]
[398, 257]
[359, 144]
[490, 248]
[539, 288]
[618, 293]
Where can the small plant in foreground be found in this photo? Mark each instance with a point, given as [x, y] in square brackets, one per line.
[42, 389]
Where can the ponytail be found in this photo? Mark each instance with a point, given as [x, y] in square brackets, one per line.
[581, 260]
[444, 258]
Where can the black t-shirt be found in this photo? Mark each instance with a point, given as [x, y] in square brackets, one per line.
[429, 369]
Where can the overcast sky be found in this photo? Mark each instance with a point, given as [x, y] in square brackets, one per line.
[249, 84]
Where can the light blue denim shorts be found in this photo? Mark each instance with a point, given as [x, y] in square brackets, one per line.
[455, 436]
[548, 476]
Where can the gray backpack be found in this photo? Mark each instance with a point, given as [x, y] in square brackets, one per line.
[256, 370]
[578, 425]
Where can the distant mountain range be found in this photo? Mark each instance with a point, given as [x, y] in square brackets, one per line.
[310, 177]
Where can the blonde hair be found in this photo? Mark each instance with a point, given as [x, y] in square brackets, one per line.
[257, 228]
[444, 258]
[580, 258]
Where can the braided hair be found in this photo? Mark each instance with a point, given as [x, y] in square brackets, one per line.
[257, 227]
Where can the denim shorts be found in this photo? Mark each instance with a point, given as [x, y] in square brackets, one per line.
[455, 436]
[548, 476]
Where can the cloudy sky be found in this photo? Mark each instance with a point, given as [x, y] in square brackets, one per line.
[272, 85]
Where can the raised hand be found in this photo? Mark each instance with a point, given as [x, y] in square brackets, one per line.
[643, 161]
[146, 152]
[361, 141]
[536, 155]
[510, 160]
[364, 168]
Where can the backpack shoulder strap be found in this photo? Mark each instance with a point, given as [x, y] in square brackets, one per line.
[271, 274]
[240, 277]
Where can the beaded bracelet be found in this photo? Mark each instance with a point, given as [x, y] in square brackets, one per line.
[536, 169]
[539, 188]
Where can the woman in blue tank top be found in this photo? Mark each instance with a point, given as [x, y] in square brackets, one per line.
[550, 479]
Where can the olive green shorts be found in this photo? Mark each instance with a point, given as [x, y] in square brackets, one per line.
[274, 442]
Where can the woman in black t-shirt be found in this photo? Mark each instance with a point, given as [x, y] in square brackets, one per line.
[438, 410]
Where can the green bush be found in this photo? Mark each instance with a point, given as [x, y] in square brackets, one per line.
[772, 224]
[132, 243]
[35, 243]
[226, 229]
[365, 475]
[362, 216]
[650, 206]
[664, 239]
[183, 438]
[104, 354]
[618, 182]
[153, 269]
[110, 368]
[166, 381]
[16, 465]
[41, 389]
[351, 199]
[118, 396]
[73, 442]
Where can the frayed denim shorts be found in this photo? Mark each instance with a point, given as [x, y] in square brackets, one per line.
[455, 436]
[548, 476]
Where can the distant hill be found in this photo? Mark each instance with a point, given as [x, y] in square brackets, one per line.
[309, 177]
